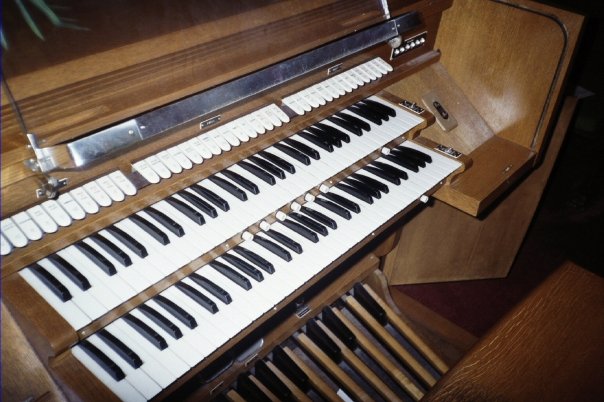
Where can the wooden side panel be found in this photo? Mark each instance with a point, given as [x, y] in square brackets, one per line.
[511, 59]
[444, 244]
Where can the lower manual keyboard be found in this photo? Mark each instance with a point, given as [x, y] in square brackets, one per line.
[232, 295]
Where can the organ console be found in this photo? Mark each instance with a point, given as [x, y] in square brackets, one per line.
[206, 200]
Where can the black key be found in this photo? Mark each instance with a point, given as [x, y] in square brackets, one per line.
[146, 332]
[112, 249]
[244, 267]
[201, 299]
[370, 181]
[366, 113]
[290, 369]
[384, 175]
[198, 203]
[70, 271]
[318, 336]
[128, 241]
[51, 282]
[415, 159]
[161, 321]
[312, 224]
[265, 265]
[231, 274]
[102, 360]
[166, 221]
[273, 248]
[346, 125]
[211, 287]
[258, 172]
[321, 143]
[301, 230]
[211, 196]
[334, 132]
[269, 167]
[305, 149]
[186, 210]
[294, 153]
[96, 257]
[401, 161]
[282, 163]
[390, 169]
[320, 217]
[425, 157]
[324, 136]
[286, 241]
[120, 348]
[354, 120]
[378, 105]
[249, 390]
[375, 193]
[176, 311]
[367, 301]
[242, 181]
[229, 187]
[272, 382]
[345, 202]
[333, 207]
[150, 229]
[331, 320]
[377, 111]
[355, 192]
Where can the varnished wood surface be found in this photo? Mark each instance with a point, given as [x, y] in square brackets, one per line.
[548, 348]
[511, 59]
[444, 244]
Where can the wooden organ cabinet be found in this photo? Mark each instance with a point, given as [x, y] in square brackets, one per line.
[209, 200]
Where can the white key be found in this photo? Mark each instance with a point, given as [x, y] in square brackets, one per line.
[228, 134]
[167, 358]
[146, 171]
[41, 217]
[209, 142]
[190, 152]
[276, 110]
[122, 182]
[136, 377]
[29, 228]
[180, 347]
[71, 206]
[152, 365]
[195, 338]
[5, 246]
[219, 139]
[122, 389]
[81, 298]
[97, 194]
[158, 167]
[57, 212]
[68, 310]
[203, 150]
[169, 162]
[109, 187]
[180, 157]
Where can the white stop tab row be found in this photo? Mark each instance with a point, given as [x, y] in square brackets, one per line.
[32, 224]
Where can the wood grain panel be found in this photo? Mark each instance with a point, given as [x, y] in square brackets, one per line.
[547, 348]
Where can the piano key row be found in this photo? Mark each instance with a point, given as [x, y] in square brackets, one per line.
[163, 230]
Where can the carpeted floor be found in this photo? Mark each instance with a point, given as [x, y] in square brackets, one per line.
[569, 225]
